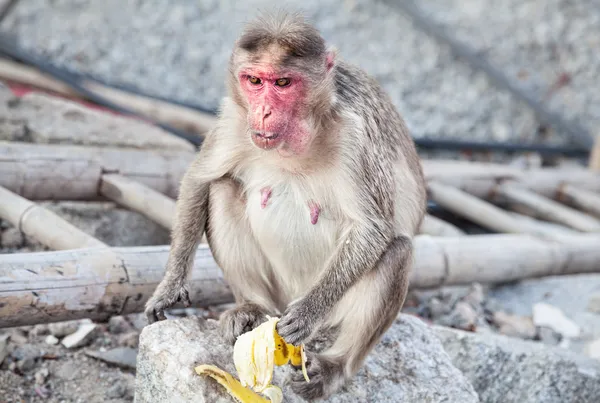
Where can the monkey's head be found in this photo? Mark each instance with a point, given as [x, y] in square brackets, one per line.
[281, 75]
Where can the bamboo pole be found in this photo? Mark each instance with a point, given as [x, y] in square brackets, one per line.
[580, 198]
[156, 110]
[43, 225]
[59, 172]
[432, 225]
[594, 160]
[483, 213]
[137, 197]
[530, 203]
[98, 283]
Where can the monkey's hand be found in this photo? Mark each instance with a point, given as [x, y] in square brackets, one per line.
[167, 294]
[299, 321]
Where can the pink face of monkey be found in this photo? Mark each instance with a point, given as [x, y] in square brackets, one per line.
[277, 104]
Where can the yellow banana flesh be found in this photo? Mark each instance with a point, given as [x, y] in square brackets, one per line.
[255, 354]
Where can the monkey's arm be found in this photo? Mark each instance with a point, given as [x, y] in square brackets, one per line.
[189, 224]
[359, 250]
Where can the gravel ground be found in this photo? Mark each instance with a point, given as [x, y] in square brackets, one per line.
[180, 51]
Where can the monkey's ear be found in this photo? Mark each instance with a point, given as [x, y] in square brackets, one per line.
[330, 58]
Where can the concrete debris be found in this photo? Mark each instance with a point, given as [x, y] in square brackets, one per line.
[514, 325]
[51, 339]
[552, 317]
[81, 337]
[62, 329]
[123, 357]
[593, 349]
[505, 369]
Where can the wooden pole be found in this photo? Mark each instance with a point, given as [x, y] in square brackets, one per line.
[98, 283]
[432, 225]
[156, 110]
[43, 225]
[530, 203]
[594, 161]
[483, 213]
[59, 172]
[137, 197]
[580, 198]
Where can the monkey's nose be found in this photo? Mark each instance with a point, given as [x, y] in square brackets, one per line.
[266, 112]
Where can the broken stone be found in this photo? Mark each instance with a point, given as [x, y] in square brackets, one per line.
[515, 326]
[52, 340]
[17, 336]
[593, 349]
[408, 364]
[11, 238]
[129, 339]
[62, 329]
[548, 336]
[26, 356]
[118, 324]
[81, 337]
[123, 357]
[463, 316]
[117, 391]
[505, 369]
[39, 330]
[552, 317]
[41, 375]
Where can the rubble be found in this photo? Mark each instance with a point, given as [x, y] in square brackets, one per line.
[123, 357]
[505, 369]
[552, 317]
[514, 325]
[81, 337]
[51, 339]
[409, 364]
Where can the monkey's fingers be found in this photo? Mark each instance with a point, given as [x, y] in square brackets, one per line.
[184, 297]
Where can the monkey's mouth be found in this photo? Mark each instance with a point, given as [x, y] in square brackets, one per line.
[266, 140]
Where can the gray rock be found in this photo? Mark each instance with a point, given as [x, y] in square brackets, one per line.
[41, 375]
[514, 325]
[123, 357]
[118, 390]
[504, 369]
[118, 324]
[594, 303]
[408, 364]
[62, 329]
[572, 294]
[11, 238]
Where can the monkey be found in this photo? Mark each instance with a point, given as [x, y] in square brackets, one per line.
[310, 191]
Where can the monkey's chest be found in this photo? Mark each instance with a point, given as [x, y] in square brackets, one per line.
[295, 231]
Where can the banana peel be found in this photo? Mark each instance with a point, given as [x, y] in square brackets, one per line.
[255, 355]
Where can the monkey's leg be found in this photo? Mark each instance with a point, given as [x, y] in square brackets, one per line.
[244, 266]
[363, 315]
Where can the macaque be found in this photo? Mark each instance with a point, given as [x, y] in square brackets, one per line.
[309, 190]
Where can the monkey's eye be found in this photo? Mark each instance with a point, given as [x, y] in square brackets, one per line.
[254, 80]
[282, 82]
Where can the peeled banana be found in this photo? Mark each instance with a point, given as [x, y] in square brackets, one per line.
[255, 355]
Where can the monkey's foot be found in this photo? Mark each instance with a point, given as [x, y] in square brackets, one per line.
[265, 195]
[325, 376]
[239, 320]
[165, 296]
[315, 210]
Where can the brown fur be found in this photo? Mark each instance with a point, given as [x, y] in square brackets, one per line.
[348, 272]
